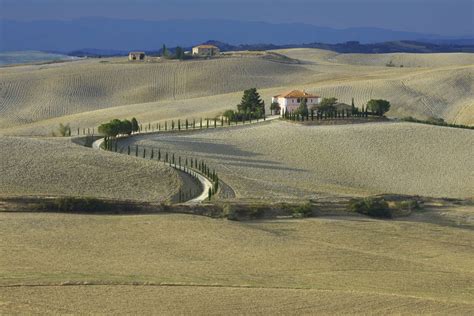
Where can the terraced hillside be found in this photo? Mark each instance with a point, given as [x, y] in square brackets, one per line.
[51, 167]
[286, 161]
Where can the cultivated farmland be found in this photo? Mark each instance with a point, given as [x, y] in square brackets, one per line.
[284, 161]
[35, 98]
[51, 167]
[221, 267]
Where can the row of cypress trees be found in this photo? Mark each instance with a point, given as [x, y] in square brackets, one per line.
[187, 164]
[324, 115]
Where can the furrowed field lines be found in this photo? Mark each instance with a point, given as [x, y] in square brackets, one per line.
[287, 161]
[50, 167]
[94, 85]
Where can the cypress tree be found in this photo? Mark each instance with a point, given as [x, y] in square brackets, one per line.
[179, 161]
[209, 194]
[166, 125]
[215, 123]
[207, 123]
[186, 163]
[159, 127]
[144, 152]
[136, 150]
[191, 162]
[128, 150]
[186, 124]
[172, 125]
[152, 154]
[166, 157]
[179, 125]
[353, 106]
[173, 159]
[159, 155]
[201, 123]
[222, 121]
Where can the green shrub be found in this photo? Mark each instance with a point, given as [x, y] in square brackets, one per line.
[409, 205]
[303, 210]
[371, 206]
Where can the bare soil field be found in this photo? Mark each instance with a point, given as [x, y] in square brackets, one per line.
[57, 167]
[280, 161]
[34, 99]
[183, 263]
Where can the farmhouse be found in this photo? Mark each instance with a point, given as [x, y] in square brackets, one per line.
[206, 50]
[136, 56]
[290, 101]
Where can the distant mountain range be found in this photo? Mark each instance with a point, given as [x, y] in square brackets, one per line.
[124, 35]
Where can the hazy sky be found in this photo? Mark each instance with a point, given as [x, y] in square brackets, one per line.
[445, 17]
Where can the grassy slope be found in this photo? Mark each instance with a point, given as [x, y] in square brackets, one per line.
[57, 167]
[308, 265]
[283, 161]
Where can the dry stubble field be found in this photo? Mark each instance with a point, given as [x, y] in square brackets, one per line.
[326, 265]
[215, 266]
[282, 161]
[35, 99]
[57, 167]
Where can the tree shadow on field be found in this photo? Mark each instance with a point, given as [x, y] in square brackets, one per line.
[269, 166]
[199, 146]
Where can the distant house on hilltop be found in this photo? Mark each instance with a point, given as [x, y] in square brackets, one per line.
[136, 56]
[290, 101]
[206, 50]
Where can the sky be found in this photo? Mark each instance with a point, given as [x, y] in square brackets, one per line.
[443, 17]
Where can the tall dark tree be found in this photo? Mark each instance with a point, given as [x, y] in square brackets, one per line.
[164, 51]
[134, 125]
[252, 103]
[303, 108]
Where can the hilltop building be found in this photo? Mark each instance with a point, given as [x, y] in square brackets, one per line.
[136, 56]
[290, 101]
[206, 50]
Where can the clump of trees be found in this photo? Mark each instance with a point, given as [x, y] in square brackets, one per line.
[378, 106]
[251, 107]
[117, 127]
[327, 105]
[371, 206]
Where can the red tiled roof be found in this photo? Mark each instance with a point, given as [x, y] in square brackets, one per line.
[205, 46]
[296, 94]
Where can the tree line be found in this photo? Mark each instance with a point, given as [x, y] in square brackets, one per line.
[187, 164]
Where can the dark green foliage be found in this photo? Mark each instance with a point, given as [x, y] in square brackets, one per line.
[179, 53]
[152, 154]
[77, 205]
[116, 127]
[303, 210]
[251, 106]
[371, 206]
[136, 150]
[303, 108]
[378, 107]
[328, 105]
[436, 121]
[275, 107]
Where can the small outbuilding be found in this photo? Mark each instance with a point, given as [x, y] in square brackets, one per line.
[136, 56]
[206, 50]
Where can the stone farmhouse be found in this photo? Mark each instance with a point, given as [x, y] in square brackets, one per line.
[290, 101]
[206, 50]
[136, 56]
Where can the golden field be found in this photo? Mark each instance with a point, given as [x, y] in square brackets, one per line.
[57, 167]
[183, 264]
[281, 161]
[88, 92]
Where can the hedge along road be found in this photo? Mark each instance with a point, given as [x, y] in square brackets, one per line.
[205, 182]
